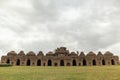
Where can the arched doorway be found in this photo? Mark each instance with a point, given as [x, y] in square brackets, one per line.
[94, 62]
[28, 62]
[74, 62]
[38, 62]
[55, 64]
[18, 62]
[61, 63]
[49, 63]
[44, 64]
[112, 62]
[79, 64]
[84, 62]
[8, 61]
[103, 62]
[68, 64]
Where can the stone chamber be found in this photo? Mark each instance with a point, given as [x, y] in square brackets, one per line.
[60, 57]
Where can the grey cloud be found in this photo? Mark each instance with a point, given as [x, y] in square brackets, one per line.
[96, 27]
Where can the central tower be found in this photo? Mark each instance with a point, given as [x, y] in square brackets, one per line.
[62, 51]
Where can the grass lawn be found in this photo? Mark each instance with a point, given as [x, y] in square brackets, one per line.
[60, 73]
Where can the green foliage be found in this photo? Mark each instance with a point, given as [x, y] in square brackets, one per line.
[5, 65]
[60, 73]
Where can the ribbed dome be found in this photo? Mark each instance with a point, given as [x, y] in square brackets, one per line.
[99, 54]
[73, 54]
[91, 54]
[108, 54]
[21, 53]
[82, 54]
[40, 54]
[12, 53]
[31, 53]
[50, 53]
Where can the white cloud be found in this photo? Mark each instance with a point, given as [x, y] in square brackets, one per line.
[70, 14]
[82, 25]
[112, 48]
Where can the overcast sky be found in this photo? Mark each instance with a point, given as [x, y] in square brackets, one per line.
[79, 25]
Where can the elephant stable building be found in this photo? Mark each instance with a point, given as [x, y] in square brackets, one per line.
[60, 57]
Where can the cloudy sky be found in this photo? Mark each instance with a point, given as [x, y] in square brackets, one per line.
[79, 25]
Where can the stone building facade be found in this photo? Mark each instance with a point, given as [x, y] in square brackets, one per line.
[60, 57]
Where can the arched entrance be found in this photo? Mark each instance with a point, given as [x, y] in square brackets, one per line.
[112, 62]
[28, 62]
[94, 62]
[74, 62]
[84, 62]
[8, 61]
[79, 64]
[18, 62]
[49, 63]
[55, 64]
[61, 63]
[68, 64]
[44, 64]
[38, 62]
[103, 62]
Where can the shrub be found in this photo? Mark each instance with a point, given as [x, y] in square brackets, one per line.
[5, 65]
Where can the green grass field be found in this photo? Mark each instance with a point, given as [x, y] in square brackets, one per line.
[60, 73]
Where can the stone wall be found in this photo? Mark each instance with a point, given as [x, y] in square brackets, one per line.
[60, 57]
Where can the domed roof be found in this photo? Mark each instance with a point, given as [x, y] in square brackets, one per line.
[99, 54]
[50, 53]
[31, 53]
[40, 53]
[82, 54]
[91, 54]
[12, 53]
[108, 54]
[21, 53]
[73, 54]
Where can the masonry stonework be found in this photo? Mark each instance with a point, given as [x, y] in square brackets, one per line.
[60, 57]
